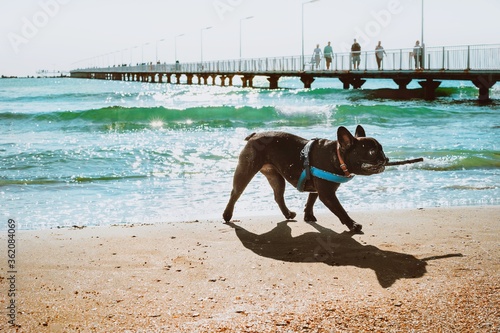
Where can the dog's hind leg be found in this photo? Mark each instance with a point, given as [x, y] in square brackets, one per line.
[278, 184]
[308, 211]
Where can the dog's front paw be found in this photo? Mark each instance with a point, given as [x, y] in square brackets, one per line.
[290, 215]
[356, 228]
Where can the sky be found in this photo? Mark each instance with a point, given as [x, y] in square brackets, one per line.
[61, 35]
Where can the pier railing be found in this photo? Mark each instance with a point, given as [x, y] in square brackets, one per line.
[463, 58]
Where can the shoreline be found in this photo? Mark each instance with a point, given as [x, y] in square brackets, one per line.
[421, 269]
[272, 213]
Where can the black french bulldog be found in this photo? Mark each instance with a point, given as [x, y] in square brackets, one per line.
[317, 166]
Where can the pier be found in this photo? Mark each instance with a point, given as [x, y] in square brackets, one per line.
[479, 64]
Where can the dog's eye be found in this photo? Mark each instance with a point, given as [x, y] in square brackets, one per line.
[372, 152]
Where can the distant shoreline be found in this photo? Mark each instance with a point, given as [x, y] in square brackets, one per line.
[34, 77]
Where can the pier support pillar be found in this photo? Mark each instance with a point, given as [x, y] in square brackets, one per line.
[273, 81]
[153, 78]
[213, 76]
[169, 77]
[204, 77]
[402, 83]
[178, 78]
[307, 80]
[189, 78]
[160, 77]
[247, 81]
[430, 87]
[484, 84]
[230, 80]
[345, 82]
[355, 82]
[223, 80]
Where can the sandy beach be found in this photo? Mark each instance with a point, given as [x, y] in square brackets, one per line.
[426, 270]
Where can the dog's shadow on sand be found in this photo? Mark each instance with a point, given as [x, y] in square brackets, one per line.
[331, 248]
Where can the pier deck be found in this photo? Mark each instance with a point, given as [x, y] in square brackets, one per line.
[478, 64]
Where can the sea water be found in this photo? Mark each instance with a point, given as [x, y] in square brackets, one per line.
[91, 152]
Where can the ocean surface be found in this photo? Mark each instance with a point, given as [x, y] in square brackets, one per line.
[91, 153]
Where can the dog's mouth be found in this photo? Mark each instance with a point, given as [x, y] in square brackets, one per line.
[373, 168]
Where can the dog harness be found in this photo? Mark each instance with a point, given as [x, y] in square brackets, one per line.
[318, 173]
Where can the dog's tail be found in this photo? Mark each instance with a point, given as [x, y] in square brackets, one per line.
[248, 137]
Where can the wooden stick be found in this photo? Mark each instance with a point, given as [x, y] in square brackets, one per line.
[405, 162]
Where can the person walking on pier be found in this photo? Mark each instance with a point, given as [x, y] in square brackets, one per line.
[317, 56]
[356, 54]
[379, 54]
[328, 53]
[417, 55]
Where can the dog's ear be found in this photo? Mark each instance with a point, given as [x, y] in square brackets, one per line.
[360, 132]
[345, 138]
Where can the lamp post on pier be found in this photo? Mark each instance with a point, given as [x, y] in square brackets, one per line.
[241, 20]
[161, 40]
[422, 36]
[175, 47]
[201, 42]
[131, 53]
[304, 3]
[123, 61]
[142, 61]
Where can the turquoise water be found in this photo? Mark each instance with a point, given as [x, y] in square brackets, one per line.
[89, 152]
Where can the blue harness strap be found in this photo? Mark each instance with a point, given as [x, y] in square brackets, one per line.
[313, 171]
